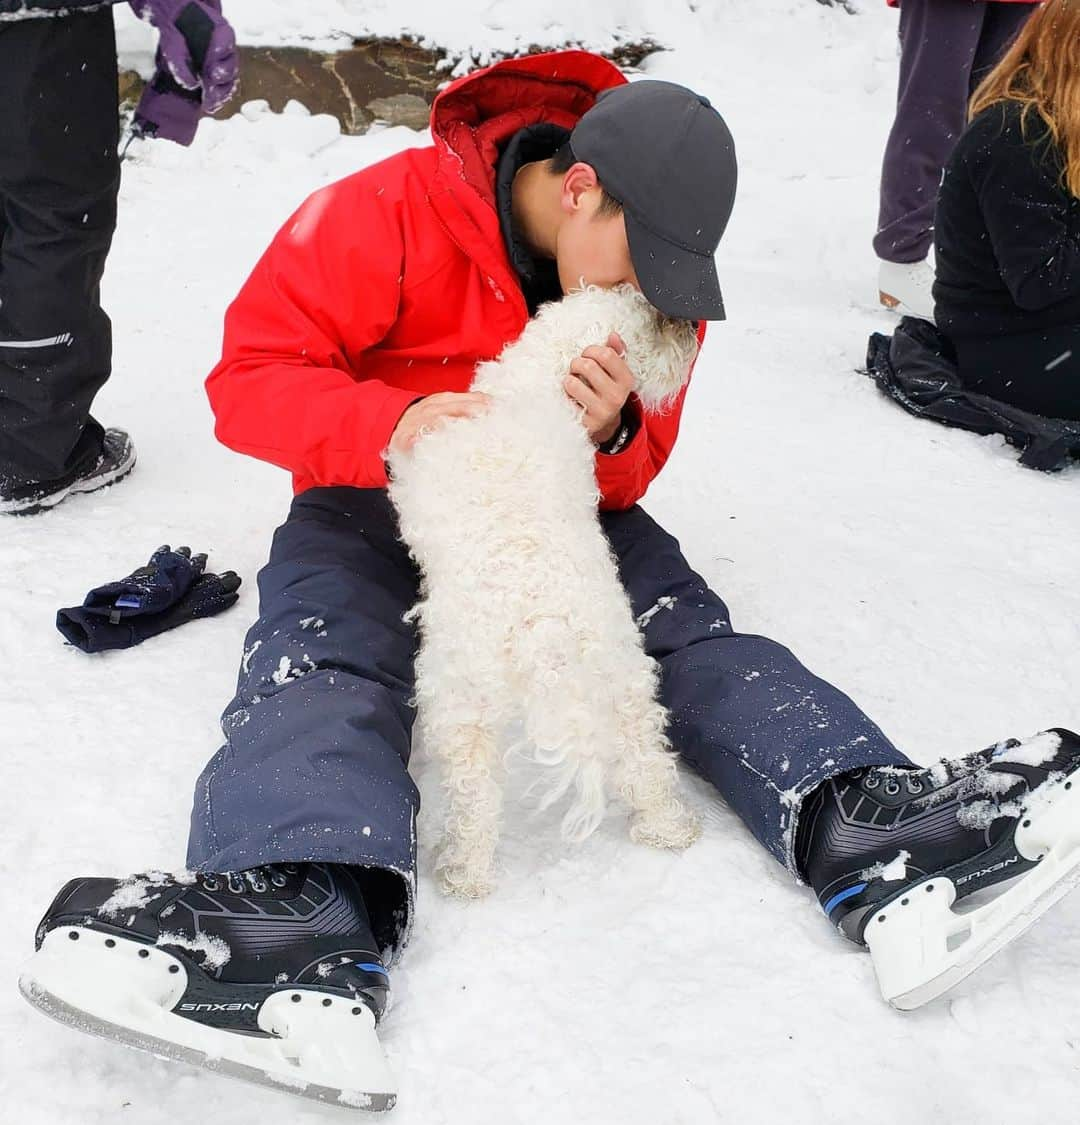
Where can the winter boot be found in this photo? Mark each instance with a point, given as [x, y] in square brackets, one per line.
[28, 498]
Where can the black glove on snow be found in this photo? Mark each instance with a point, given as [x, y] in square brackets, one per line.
[171, 589]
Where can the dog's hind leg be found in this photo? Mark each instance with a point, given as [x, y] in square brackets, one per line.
[465, 866]
[644, 769]
[460, 695]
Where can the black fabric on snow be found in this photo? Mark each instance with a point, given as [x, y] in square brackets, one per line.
[917, 368]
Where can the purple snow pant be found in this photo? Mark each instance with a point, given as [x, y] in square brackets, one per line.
[946, 48]
[314, 765]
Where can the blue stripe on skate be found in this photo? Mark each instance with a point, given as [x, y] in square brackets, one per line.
[371, 967]
[836, 899]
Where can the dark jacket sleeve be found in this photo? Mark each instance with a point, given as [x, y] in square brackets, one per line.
[1033, 220]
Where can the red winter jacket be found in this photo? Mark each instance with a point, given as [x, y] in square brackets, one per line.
[394, 283]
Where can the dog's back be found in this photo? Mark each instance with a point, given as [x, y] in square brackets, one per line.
[523, 614]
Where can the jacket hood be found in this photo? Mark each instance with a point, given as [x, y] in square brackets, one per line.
[473, 116]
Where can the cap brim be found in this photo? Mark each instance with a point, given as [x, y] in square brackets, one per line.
[679, 282]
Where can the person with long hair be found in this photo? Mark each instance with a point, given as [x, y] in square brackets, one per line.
[946, 48]
[1008, 225]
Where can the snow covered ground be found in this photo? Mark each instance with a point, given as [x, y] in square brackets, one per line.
[467, 30]
[919, 568]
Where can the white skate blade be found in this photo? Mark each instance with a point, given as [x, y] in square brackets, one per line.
[319, 1047]
[921, 947]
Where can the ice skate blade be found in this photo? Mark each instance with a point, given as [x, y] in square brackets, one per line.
[899, 306]
[921, 947]
[313, 1049]
[887, 300]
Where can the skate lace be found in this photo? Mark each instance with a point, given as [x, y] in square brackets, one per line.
[258, 879]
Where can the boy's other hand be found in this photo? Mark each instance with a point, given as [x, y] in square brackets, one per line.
[427, 414]
[600, 383]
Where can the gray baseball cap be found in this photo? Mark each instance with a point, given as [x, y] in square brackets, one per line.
[668, 157]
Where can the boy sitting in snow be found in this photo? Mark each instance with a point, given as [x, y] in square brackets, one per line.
[361, 326]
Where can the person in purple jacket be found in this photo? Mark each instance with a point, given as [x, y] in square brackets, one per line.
[946, 48]
[59, 177]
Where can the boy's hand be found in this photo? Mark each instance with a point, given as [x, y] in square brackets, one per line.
[427, 414]
[600, 383]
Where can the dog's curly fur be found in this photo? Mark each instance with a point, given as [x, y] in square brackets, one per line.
[522, 613]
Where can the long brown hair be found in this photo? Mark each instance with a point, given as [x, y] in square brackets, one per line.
[1041, 71]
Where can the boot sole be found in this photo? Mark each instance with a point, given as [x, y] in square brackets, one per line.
[47, 503]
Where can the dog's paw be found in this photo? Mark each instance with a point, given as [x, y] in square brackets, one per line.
[672, 825]
[460, 878]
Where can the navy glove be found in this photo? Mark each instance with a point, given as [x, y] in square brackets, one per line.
[171, 589]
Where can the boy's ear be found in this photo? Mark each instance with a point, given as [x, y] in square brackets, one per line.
[580, 178]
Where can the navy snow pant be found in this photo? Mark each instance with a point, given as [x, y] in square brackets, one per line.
[314, 765]
[59, 177]
[947, 47]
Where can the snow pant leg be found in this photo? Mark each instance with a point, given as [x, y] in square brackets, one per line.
[744, 712]
[1036, 371]
[938, 44]
[317, 738]
[59, 177]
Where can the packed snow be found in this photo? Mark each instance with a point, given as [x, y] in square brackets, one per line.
[210, 951]
[919, 568]
[662, 603]
[131, 894]
[891, 872]
[1035, 751]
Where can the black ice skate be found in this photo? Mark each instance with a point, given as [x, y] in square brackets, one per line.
[29, 498]
[270, 975]
[889, 851]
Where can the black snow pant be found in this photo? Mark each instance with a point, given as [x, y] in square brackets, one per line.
[59, 177]
[1037, 371]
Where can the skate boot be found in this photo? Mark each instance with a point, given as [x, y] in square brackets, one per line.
[889, 851]
[269, 974]
[907, 287]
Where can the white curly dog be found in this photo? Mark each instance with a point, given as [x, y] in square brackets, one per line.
[522, 614]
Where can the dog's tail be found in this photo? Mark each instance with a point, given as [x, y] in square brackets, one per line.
[572, 761]
[587, 810]
[568, 719]
[563, 772]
